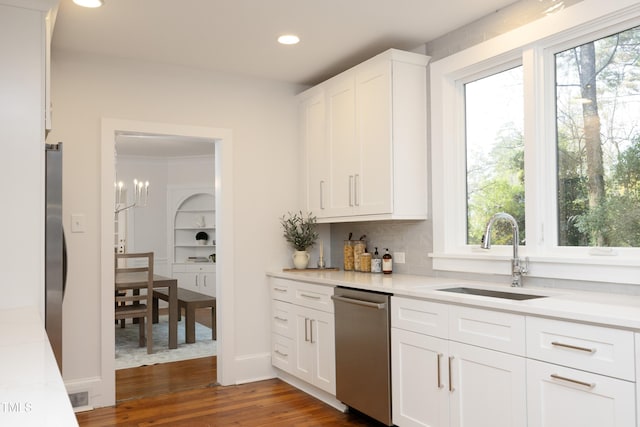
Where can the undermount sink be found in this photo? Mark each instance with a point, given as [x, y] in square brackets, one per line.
[492, 294]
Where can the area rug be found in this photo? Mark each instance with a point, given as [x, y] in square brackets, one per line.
[130, 355]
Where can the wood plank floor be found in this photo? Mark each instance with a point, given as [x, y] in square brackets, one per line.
[183, 394]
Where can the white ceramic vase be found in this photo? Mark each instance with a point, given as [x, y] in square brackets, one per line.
[300, 259]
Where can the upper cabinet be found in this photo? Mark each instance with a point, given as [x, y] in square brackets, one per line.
[365, 143]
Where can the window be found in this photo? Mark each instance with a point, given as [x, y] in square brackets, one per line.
[598, 142]
[517, 122]
[495, 154]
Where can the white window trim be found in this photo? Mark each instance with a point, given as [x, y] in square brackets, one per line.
[533, 45]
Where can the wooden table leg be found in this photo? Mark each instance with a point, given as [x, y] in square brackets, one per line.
[190, 323]
[173, 315]
[155, 309]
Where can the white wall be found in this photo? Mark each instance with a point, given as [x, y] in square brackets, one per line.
[262, 117]
[147, 226]
[22, 158]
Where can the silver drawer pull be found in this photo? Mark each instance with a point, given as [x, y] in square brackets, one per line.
[281, 353]
[280, 289]
[439, 379]
[310, 296]
[573, 347]
[282, 319]
[450, 374]
[572, 381]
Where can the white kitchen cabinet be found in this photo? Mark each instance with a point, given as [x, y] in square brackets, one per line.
[373, 163]
[442, 382]
[580, 374]
[316, 151]
[561, 397]
[303, 335]
[199, 278]
[314, 341]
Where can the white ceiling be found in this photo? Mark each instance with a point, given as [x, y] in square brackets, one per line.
[239, 36]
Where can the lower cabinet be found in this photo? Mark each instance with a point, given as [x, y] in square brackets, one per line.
[437, 382]
[303, 335]
[314, 352]
[197, 278]
[561, 397]
[447, 370]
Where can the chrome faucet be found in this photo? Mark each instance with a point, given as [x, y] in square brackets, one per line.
[518, 267]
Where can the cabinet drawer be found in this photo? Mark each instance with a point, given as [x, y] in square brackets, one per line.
[592, 348]
[282, 352]
[313, 296]
[559, 396]
[489, 329]
[423, 317]
[282, 290]
[194, 268]
[282, 319]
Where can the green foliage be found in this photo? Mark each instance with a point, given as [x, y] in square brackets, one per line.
[299, 231]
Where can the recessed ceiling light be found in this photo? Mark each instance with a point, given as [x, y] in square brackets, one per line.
[89, 3]
[288, 39]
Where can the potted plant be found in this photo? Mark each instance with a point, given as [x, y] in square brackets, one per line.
[202, 237]
[299, 232]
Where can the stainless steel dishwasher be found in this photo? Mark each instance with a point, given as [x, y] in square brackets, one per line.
[363, 352]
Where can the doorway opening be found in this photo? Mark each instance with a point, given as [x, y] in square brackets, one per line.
[113, 133]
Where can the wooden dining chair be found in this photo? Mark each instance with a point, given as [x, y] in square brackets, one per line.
[135, 271]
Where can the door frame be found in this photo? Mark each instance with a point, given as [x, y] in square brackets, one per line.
[223, 187]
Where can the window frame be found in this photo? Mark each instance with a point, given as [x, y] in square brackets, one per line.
[533, 46]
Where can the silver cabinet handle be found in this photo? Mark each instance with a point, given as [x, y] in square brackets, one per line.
[280, 289]
[282, 319]
[379, 306]
[573, 347]
[205, 280]
[316, 297]
[356, 195]
[438, 368]
[450, 374]
[322, 194]
[311, 331]
[572, 381]
[350, 190]
[197, 281]
[281, 353]
[306, 329]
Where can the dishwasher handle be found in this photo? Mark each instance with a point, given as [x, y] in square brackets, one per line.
[379, 306]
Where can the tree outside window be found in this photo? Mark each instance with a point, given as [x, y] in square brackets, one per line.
[598, 142]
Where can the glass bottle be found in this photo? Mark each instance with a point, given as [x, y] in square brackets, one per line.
[376, 262]
[387, 262]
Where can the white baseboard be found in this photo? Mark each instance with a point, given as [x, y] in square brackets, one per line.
[319, 394]
[253, 367]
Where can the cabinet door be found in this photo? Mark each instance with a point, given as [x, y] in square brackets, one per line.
[303, 351]
[324, 355]
[419, 379]
[489, 387]
[343, 147]
[373, 184]
[206, 282]
[312, 113]
[560, 397]
[186, 280]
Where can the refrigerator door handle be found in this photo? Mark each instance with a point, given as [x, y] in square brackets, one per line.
[64, 263]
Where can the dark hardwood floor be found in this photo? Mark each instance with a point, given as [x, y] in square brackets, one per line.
[185, 394]
[181, 394]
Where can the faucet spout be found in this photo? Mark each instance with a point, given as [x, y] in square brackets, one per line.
[518, 268]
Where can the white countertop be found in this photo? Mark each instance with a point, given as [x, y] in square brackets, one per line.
[32, 392]
[622, 311]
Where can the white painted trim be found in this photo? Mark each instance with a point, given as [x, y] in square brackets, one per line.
[253, 367]
[224, 220]
[319, 394]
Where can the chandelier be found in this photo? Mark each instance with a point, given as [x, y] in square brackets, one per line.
[140, 195]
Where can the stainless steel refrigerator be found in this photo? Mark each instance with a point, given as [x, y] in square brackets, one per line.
[55, 250]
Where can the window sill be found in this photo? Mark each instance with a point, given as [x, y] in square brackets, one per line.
[605, 269]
